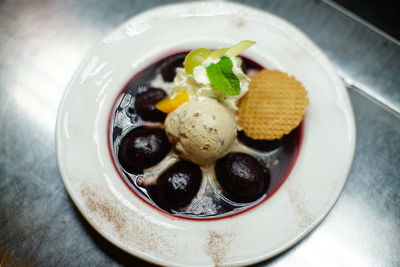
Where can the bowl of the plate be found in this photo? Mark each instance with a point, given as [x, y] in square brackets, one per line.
[95, 185]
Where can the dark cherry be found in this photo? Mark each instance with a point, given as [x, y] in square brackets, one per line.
[261, 145]
[143, 147]
[145, 104]
[248, 64]
[242, 177]
[168, 67]
[178, 185]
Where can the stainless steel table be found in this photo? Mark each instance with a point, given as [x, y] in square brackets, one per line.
[41, 45]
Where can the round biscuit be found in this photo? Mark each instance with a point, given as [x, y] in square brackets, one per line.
[274, 105]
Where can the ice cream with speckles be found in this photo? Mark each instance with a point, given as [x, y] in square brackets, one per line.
[201, 130]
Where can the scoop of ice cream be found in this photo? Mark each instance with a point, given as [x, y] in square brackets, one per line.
[201, 130]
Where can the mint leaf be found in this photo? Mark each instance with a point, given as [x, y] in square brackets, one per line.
[222, 77]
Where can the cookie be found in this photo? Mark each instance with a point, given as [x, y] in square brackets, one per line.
[274, 105]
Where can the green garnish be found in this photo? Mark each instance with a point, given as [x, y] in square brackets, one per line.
[222, 77]
[195, 58]
[216, 54]
[220, 74]
[239, 48]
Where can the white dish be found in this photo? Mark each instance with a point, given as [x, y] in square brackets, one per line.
[304, 199]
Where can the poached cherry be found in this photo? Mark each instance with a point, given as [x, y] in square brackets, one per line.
[261, 145]
[142, 148]
[145, 104]
[168, 67]
[242, 177]
[178, 185]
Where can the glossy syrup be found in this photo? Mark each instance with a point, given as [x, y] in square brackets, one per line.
[210, 202]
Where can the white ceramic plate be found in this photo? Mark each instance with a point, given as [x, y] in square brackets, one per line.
[120, 216]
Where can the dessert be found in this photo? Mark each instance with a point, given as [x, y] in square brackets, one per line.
[191, 138]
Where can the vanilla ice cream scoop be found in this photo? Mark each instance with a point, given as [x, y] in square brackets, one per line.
[202, 130]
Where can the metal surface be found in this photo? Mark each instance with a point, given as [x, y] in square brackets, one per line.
[42, 43]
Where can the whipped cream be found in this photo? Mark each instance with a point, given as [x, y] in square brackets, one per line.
[199, 86]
